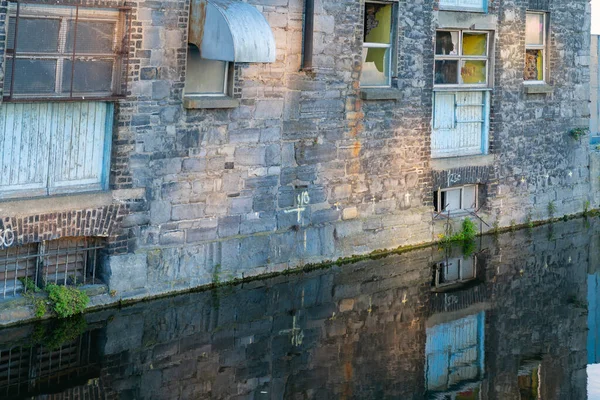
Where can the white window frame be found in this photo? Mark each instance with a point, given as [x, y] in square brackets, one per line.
[66, 14]
[370, 45]
[459, 57]
[444, 5]
[542, 47]
[446, 264]
[441, 208]
[226, 80]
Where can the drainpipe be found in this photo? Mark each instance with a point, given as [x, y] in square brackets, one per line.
[309, 27]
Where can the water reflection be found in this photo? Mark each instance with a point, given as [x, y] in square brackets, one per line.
[507, 320]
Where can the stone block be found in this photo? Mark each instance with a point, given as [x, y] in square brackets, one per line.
[350, 213]
[229, 226]
[125, 273]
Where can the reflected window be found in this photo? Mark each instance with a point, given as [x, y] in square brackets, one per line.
[205, 77]
[377, 45]
[455, 270]
[461, 58]
[535, 48]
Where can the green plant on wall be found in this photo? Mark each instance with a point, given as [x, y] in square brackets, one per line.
[551, 209]
[66, 301]
[577, 133]
[63, 331]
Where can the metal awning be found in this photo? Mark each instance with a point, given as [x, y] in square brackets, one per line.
[229, 30]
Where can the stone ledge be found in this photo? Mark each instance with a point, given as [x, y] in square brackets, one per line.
[48, 204]
[538, 89]
[444, 164]
[380, 94]
[202, 102]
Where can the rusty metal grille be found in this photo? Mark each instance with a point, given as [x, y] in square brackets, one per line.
[27, 370]
[68, 261]
[66, 52]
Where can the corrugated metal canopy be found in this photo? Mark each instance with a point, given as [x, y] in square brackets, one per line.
[229, 30]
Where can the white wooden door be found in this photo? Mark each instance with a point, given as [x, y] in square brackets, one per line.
[52, 148]
[460, 124]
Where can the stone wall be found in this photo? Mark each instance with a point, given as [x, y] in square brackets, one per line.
[221, 187]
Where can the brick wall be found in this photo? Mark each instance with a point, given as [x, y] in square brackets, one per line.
[222, 185]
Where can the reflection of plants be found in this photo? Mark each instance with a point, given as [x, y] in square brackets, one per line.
[61, 332]
[466, 235]
[66, 301]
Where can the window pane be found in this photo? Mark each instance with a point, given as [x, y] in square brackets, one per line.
[32, 76]
[375, 70]
[534, 65]
[90, 76]
[451, 199]
[467, 268]
[378, 23]
[92, 37]
[473, 71]
[535, 29]
[446, 43]
[446, 72]
[469, 197]
[36, 35]
[451, 271]
[474, 44]
[204, 76]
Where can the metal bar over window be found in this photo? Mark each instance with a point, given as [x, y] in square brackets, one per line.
[99, 57]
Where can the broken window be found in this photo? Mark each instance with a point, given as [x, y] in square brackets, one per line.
[205, 77]
[455, 270]
[461, 58]
[535, 48]
[464, 5]
[456, 199]
[65, 52]
[377, 45]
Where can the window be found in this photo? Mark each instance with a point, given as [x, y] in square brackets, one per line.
[456, 199]
[205, 77]
[68, 261]
[461, 58]
[455, 270]
[464, 5]
[377, 45]
[64, 52]
[461, 93]
[535, 48]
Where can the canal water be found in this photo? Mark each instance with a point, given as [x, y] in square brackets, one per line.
[516, 316]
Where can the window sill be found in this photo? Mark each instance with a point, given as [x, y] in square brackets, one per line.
[380, 94]
[445, 164]
[538, 88]
[48, 204]
[205, 102]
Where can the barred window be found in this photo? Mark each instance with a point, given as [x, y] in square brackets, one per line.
[67, 261]
[65, 52]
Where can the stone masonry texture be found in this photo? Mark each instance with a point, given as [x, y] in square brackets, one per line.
[304, 170]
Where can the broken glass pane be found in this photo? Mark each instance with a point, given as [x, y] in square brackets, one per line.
[378, 23]
[204, 76]
[534, 65]
[375, 69]
[36, 35]
[473, 71]
[92, 37]
[446, 72]
[446, 43]
[90, 76]
[474, 44]
[32, 76]
[535, 29]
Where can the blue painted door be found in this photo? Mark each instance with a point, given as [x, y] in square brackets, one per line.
[50, 148]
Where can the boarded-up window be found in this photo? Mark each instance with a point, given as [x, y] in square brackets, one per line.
[65, 52]
[50, 148]
[465, 5]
